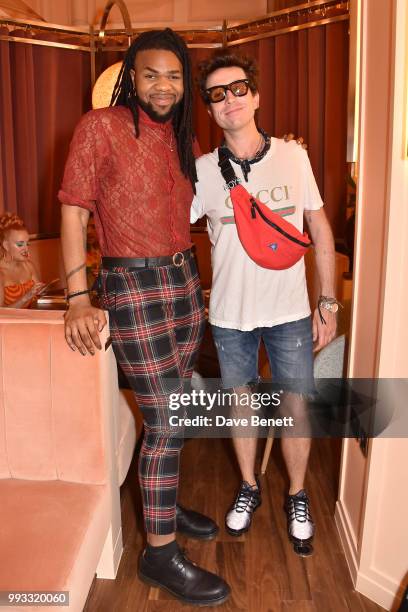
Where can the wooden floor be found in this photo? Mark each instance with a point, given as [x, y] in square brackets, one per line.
[263, 571]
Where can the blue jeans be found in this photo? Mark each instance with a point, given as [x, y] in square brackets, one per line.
[290, 352]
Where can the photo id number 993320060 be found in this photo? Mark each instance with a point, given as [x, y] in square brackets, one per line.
[34, 598]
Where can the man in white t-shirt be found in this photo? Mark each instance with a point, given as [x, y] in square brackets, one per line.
[248, 302]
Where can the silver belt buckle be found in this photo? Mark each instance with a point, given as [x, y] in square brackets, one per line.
[178, 259]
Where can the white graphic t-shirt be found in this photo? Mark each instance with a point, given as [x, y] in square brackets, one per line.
[244, 295]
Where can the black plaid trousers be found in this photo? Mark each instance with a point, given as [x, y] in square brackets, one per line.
[157, 324]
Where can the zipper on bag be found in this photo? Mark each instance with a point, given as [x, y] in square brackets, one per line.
[255, 207]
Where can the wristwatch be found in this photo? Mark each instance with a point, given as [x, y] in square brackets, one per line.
[328, 303]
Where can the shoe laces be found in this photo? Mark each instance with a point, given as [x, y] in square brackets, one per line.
[180, 559]
[246, 499]
[298, 508]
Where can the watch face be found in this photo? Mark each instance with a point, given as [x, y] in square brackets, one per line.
[332, 307]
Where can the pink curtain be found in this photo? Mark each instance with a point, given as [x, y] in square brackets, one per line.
[44, 91]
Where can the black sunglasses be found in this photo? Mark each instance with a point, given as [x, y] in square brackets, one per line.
[218, 93]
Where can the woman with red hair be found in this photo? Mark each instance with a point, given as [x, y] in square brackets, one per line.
[19, 283]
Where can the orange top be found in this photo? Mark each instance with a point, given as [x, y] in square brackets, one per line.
[17, 291]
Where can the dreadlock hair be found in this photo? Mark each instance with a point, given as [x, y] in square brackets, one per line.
[124, 93]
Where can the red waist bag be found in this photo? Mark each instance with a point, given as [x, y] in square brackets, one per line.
[271, 241]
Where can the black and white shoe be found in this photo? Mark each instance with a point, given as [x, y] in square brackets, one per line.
[300, 524]
[239, 517]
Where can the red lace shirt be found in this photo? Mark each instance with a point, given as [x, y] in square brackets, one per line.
[134, 186]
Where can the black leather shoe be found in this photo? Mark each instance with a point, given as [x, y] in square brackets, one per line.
[185, 580]
[195, 525]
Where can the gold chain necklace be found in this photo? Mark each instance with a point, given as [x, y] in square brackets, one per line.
[153, 132]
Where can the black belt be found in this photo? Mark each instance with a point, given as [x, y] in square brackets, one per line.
[146, 262]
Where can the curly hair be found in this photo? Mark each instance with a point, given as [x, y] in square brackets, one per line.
[124, 93]
[9, 221]
[224, 59]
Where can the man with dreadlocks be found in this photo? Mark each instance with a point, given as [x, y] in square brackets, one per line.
[133, 166]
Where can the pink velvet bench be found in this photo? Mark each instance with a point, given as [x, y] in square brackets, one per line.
[67, 437]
